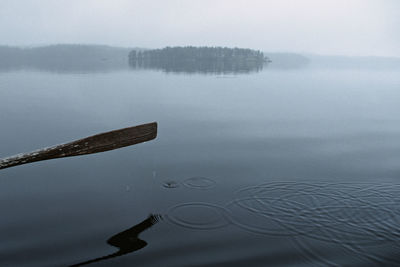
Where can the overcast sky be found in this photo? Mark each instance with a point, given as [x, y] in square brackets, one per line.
[347, 27]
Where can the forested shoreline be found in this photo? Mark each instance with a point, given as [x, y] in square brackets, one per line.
[199, 59]
[73, 58]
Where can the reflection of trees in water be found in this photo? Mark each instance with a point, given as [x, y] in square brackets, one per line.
[211, 67]
[217, 60]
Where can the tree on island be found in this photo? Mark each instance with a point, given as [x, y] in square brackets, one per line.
[199, 59]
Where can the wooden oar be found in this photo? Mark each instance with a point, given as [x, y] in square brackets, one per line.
[89, 145]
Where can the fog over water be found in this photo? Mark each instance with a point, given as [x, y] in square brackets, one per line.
[284, 154]
[346, 27]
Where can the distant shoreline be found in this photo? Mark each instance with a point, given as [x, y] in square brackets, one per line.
[83, 57]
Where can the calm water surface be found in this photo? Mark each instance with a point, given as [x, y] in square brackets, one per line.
[280, 167]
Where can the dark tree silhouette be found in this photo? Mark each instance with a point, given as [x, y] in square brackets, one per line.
[199, 59]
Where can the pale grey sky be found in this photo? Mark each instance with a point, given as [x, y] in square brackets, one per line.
[347, 27]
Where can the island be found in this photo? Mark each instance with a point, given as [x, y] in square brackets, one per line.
[199, 59]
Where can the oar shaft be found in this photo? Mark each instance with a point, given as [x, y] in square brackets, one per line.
[89, 145]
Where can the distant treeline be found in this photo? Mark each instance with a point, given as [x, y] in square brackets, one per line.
[199, 59]
[79, 58]
[64, 58]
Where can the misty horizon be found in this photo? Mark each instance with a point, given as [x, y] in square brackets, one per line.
[349, 28]
[133, 47]
[66, 58]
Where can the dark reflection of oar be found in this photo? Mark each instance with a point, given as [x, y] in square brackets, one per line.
[127, 241]
[93, 144]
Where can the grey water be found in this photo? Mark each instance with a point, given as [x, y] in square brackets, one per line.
[277, 167]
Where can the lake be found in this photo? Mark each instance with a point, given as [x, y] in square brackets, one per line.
[277, 167]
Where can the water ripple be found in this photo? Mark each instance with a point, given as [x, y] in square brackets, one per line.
[170, 184]
[199, 183]
[197, 215]
[359, 218]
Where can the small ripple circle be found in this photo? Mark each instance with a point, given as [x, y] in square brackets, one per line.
[199, 183]
[197, 215]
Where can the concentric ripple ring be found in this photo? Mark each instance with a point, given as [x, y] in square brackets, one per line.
[199, 183]
[197, 215]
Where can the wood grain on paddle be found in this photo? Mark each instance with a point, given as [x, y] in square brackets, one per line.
[89, 145]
